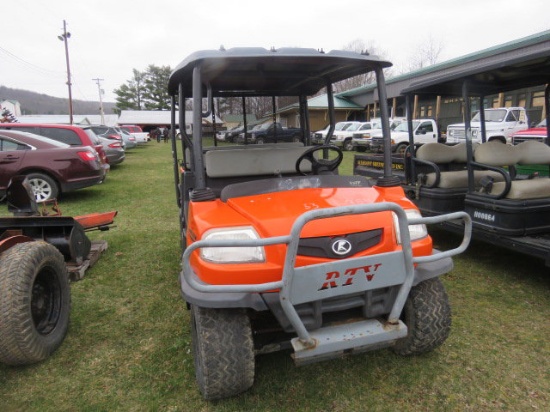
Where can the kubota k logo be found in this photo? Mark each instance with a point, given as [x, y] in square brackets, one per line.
[341, 247]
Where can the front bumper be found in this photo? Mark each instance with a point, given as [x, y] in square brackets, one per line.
[366, 143]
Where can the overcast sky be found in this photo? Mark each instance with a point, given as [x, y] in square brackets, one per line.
[110, 38]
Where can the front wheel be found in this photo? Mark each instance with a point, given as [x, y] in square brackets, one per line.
[34, 302]
[223, 350]
[427, 315]
[348, 145]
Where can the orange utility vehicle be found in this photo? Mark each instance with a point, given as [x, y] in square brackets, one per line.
[280, 250]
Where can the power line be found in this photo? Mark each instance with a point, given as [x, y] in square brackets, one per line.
[28, 64]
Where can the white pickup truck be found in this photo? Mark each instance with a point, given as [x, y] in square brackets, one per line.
[424, 131]
[500, 124]
[141, 136]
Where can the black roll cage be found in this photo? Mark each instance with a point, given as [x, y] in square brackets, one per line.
[242, 72]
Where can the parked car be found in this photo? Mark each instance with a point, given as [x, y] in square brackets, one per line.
[71, 135]
[538, 133]
[500, 124]
[129, 139]
[230, 135]
[108, 133]
[424, 131]
[319, 136]
[344, 137]
[270, 132]
[113, 149]
[141, 136]
[51, 167]
[361, 140]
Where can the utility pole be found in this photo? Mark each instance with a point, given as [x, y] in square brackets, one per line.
[64, 38]
[100, 100]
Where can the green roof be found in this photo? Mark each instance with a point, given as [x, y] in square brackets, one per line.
[339, 102]
[321, 102]
[512, 45]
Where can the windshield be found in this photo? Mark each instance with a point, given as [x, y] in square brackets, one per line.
[348, 126]
[92, 135]
[377, 125]
[100, 129]
[353, 127]
[491, 116]
[404, 127]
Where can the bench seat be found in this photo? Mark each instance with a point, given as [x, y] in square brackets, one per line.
[257, 161]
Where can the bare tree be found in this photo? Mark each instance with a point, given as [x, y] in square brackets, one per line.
[360, 46]
[425, 54]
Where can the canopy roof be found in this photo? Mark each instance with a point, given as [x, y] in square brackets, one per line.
[277, 72]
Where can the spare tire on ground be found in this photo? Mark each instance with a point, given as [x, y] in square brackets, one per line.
[35, 302]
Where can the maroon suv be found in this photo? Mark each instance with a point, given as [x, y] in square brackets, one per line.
[51, 167]
[71, 135]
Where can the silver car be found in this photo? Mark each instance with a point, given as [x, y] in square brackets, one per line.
[113, 150]
[129, 139]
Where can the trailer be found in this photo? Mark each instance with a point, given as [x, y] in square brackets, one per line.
[40, 253]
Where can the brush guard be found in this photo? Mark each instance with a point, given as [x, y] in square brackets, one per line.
[306, 284]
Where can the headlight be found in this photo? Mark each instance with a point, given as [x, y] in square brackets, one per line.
[475, 132]
[450, 132]
[415, 231]
[233, 254]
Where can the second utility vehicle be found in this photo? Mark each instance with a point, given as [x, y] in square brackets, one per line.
[283, 252]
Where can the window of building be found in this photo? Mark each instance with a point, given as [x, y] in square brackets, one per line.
[537, 99]
[426, 111]
[508, 101]
[521, 100]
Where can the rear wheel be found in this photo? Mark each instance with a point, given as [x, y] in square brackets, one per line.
[348, 145]
[427, 315]
[223, 350]
[43, 187]
[34, 302]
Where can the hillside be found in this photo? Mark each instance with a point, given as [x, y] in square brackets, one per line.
[37, 103]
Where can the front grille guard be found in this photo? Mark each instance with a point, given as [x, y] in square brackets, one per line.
[296, 284]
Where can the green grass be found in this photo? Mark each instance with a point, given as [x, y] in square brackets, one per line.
[128, 346]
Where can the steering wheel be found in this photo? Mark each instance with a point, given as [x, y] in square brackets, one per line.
[320, 165]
